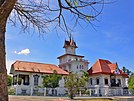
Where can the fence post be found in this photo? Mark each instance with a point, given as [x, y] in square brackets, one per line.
[80, 93]
[90, 92]
[45, 91]
[31, 91]
[16, 90]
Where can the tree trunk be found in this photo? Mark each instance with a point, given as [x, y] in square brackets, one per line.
[6, 6]
[3, 72]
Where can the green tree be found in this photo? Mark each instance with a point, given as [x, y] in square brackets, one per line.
[127, 71]
[9, 80]
[131, 82]
[124, 69]
[39, 14]
[51, 80]
[74, 83]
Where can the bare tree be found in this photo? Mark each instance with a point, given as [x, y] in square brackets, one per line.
[39, 15]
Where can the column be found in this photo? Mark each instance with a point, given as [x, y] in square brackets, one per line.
[80, 93]
[31, 93]
[90, 92]
[17, 86]
[45, 91]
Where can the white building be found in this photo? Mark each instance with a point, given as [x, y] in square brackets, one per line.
[105, 77]
[27, 77]
[70, 61]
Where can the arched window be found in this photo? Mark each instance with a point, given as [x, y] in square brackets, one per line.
[97, 81]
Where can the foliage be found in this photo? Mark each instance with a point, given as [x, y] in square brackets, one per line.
[131, 82]
[9, 80]
[11, 91]
[74, 83]
[39, 14]
[51, 80]
[127, 71]
[19, 81]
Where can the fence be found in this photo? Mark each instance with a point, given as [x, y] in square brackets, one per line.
[61, 91]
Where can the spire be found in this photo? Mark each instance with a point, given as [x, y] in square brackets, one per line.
[71, 43]
[117, 69]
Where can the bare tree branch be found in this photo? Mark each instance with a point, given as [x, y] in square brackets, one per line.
[42, 14]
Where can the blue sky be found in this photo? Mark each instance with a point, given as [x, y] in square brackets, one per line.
[112, 39]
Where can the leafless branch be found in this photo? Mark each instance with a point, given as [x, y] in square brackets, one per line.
[42, 14]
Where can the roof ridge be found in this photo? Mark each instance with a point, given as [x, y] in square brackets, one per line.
[100, 63]
[33, 62]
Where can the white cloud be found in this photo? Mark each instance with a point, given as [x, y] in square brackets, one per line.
[23, 52]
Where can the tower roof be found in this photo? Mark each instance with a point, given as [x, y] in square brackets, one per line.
[71, 43]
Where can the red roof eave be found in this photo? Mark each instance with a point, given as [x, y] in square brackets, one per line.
[124, 75]
[42, 72]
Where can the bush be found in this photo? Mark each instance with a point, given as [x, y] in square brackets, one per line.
[11, 91]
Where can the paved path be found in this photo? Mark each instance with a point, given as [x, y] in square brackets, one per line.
[37, 98]
[42, 98]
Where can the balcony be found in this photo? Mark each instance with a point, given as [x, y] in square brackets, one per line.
[74, 60]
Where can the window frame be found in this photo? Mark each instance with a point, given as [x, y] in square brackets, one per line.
[97, 81]
[105, 81]
[36, 80]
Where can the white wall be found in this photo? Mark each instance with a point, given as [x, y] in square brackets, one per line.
[102, 81]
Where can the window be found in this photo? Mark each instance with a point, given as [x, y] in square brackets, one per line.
[70, 67]
[15, 80]
[91, 81]
[82, 67]
[97, 81]
[23, 79]
[118, 82]
[36, 80]
[106, 81]
[77, 67]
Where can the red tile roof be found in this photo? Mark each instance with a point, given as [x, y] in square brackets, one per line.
[71, 43]
[104, 67]
[34, 67]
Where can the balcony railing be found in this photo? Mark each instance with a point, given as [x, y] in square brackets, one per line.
[74, 60]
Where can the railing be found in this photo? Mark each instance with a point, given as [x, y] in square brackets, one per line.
[61, 91]
[73, 60]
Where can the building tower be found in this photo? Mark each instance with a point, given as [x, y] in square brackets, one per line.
[70, 61]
